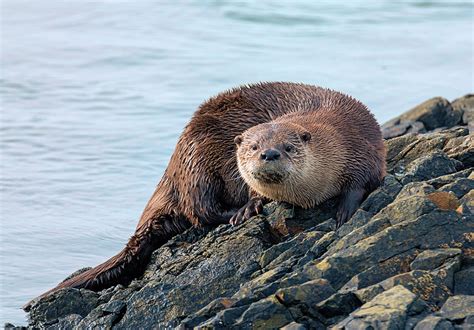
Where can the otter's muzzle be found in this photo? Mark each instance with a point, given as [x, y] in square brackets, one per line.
[270, 155]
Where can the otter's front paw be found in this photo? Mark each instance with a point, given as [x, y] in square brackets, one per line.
[253, 207]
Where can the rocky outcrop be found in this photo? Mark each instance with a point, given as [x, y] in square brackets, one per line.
[434, 114]
[404, 260]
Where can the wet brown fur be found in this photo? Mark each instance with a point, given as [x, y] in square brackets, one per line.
[202, 184]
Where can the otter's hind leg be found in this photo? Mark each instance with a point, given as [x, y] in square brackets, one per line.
[349, 203]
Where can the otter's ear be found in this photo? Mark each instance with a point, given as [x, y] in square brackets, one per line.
[306, 136]
[238, 140]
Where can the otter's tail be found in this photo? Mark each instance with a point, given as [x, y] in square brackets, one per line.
[130, 262]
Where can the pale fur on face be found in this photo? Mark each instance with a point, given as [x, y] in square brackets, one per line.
[305, 175]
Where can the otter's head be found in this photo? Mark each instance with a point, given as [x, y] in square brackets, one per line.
[270, 155]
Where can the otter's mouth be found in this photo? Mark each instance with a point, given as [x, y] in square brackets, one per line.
[269, 176]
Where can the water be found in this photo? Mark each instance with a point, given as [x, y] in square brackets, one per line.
[96, 93]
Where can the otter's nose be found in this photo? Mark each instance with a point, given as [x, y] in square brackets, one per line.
[269, 155]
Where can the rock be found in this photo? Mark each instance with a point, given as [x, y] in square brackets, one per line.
[434, 113]
[398, 147]
[367, 294]
[427, 231]
[294, 247]
[433, 287]
[69, 321]
[465, 105]
[463, 281]
[400, 127]
[359, 219]
[434, 323]
[457, 308]
[461, 149]
[388, 310]
[199, 274]
[294, 326]
[381, 271]
[415, 189]
[308, 293]
[468, 201]
[382, 196]
[459, 187]
[287, 219]
[207, 312]
[422, 145]
[264, 314]
[222, 320]
[61, 304]
[403, 209]
[431, 259]
[431, 166]
[374, 226]
[449, 178]
[338, 304]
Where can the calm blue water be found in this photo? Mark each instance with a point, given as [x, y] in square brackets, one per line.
[95, 93]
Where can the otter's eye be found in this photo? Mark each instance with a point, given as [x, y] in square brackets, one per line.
[289, 148]
[254, 147]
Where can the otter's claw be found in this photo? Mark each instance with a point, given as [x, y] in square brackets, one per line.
[253, 207]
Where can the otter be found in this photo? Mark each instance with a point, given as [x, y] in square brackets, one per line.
[307, 157]
[267, 141]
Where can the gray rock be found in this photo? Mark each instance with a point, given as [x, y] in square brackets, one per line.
[460, 187]
[431, 259]
[431, 166]
[294, 326]
[381, 271]
[427, 231]
[409, 208]
[296, 246]
[406, 149]
[464, 281]
[465, 105]
[61, 304]
[340, 303]
[432, 322]
[67, 322]
[415, 189]
[395, 128]
[192, 278]
[468, 201]
[367, 294]
[267, 313]
[388, 310]
[223, 319]
[449, 178]
[434, 287]
[434, 113]
[457, 308]
[309, 293]
[461, 149]
[359, 219]
[382, 196]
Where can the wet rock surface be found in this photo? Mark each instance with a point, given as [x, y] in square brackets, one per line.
[404, 260]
